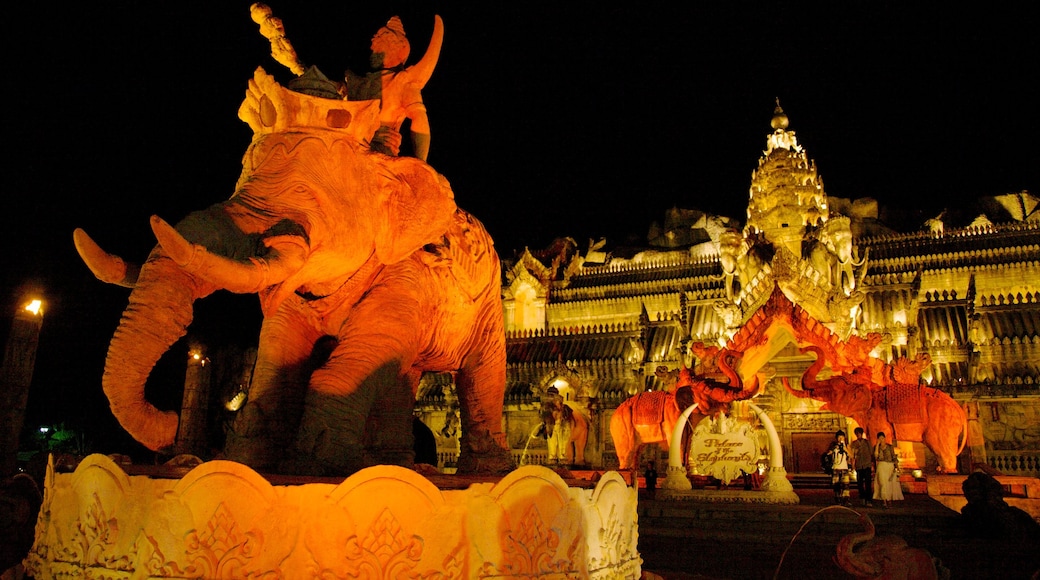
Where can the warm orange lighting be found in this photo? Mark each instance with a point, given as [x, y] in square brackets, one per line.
[35, 306]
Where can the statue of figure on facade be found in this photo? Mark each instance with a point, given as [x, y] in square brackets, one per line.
[397, 87]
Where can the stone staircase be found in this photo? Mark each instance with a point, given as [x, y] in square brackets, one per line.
[699, 540]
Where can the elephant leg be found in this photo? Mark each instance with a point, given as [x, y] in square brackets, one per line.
[263, 429]
[481, 383]
[390, 439]
[377, 346]
[579, 443]
[331, 440]
[622, 432]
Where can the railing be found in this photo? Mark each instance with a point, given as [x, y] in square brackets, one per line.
[447, 459]
[450, 459]
[530, 457]
[1026, 463]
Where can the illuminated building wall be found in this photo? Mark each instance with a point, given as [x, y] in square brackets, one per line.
[604, 319]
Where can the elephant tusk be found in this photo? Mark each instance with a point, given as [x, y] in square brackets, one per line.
[106, 267]
[286, 255]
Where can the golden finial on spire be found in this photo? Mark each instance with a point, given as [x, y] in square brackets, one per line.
[780, 121]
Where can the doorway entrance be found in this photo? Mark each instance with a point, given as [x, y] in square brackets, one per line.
[807, 448]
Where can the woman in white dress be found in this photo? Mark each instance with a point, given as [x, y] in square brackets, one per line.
[886, 478]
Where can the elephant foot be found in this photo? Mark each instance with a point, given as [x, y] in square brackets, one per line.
[483, 455]
[248, 444]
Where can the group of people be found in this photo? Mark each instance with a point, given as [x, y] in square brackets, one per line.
[877, 475]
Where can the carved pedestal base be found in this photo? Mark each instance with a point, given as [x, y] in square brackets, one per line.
[223, 520]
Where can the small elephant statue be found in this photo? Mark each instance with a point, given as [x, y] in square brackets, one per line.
[941, 423]
[567, 432]
[865, 555]
[368, 275]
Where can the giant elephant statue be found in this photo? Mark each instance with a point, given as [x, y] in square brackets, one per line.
[566, 431]
[941, 424]
[368, 275]
[865, 555]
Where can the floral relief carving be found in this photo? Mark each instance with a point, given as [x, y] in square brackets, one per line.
[93, 539]
[531, 551]
[386, 551]
[220, 550]
[613, 539]
[412, 529]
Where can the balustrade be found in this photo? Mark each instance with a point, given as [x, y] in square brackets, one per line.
[1026, 463]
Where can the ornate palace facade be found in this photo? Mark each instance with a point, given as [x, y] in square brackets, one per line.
[600, 324]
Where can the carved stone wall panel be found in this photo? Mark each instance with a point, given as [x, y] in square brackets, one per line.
[812, 422]
[223, 520]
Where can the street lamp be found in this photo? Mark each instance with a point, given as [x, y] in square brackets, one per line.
[16, 372]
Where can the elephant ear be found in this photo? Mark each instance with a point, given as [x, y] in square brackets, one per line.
[417, 209]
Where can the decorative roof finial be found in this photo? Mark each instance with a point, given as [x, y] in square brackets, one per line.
[780, 121]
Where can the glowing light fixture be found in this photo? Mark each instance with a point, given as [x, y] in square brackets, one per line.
[35, 306]
[196, 356]
[236, 402]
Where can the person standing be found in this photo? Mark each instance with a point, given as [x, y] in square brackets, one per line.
[863, 461]
[886, 481]
[651, 479]
[840, 468]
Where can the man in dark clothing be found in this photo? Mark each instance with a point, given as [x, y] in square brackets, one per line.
[863, 461]
[651, 479]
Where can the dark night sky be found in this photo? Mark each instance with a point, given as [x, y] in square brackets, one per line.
[550, 119]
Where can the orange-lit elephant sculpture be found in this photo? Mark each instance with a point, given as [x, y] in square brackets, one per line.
[356, 255]
[865, 555]
[645, 418]
[650, 417]
[943, 425]
[567, 432]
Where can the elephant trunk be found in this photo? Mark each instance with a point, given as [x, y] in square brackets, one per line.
[809, 382]
[158, 314]
[727, 369]
[846, 557]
